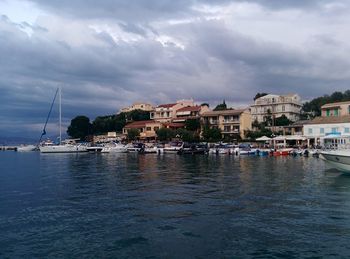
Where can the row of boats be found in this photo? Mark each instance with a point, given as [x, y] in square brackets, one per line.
[338, 158]
[173, 147]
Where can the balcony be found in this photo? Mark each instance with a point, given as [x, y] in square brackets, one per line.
[231, 121]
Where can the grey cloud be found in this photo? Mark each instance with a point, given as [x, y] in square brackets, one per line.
[216, 63]
[143, 11]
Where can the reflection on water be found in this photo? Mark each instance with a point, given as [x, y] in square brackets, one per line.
[129, 205]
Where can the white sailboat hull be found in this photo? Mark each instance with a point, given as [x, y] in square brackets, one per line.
[63, 149]
[339, 159]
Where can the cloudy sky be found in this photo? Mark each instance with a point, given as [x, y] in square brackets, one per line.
[107, 54]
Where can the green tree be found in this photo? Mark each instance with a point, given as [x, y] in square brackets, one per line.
[165, 134]
[220, 107]
[137, 115]
[80, 127]
[193, 124]
[258, 95]
[282, 121]
[133, 134]
[211, 134]
[187, 136]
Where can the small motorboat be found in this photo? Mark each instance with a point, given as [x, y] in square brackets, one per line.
[26, 148]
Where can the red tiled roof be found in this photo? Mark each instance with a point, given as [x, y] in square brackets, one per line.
[190, 108]
[224, 112]
[138, 124]
[174, 125]
[168, 105]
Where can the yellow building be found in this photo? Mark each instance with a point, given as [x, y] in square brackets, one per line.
[146, 128]
[230, 122]
[335, 109]
[139, 106]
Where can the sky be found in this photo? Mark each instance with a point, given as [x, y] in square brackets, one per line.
[107, 54]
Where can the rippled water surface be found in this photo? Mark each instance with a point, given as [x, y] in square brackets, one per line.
[170, 206]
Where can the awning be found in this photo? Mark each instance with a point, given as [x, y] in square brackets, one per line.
[295, 137]
[263, 138]
[279, 138]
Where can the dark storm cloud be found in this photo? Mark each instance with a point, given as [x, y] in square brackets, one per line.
[202, 58]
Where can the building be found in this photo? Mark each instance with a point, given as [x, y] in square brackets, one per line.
[332, 127]
[139, 106]
[296, 128]
[335, 109]
[146, 128]
[231, 122]
[276, 106]
[167, 112]
[190, 112]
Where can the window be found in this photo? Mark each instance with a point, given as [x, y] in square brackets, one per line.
[227, 128]
[283, 108]
[321, 130]
[310, 131]
[349, 109]
[336, 113]
[156, 128]
[148, 129]
[334, 130]
[346, 130]
[328, 113]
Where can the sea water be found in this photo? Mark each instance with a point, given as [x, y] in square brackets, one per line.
[171, 206]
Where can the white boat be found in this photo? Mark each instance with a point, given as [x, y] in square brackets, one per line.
[173, 147]
[134, 147]
[26, 148]
[114, 148]
[339, 159]
[68, 147]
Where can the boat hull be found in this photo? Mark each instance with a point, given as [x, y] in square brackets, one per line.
[337, 159]
[63, 149]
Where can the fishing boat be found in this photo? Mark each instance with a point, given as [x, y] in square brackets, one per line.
[339, 159]
[61, 147]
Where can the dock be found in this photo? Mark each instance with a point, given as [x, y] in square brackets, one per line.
[8, 148]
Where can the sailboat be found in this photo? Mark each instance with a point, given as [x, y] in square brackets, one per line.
[67, 147]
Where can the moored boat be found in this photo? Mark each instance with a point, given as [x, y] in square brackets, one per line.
[173, 147]
[339, 159]
[26, 148]
[114, 148]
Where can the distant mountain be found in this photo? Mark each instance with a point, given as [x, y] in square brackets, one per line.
[17, 140]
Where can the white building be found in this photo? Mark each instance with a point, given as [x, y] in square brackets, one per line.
[276, 106]
[326, 131]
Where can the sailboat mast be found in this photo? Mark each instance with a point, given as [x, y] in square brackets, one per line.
[60, 113]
